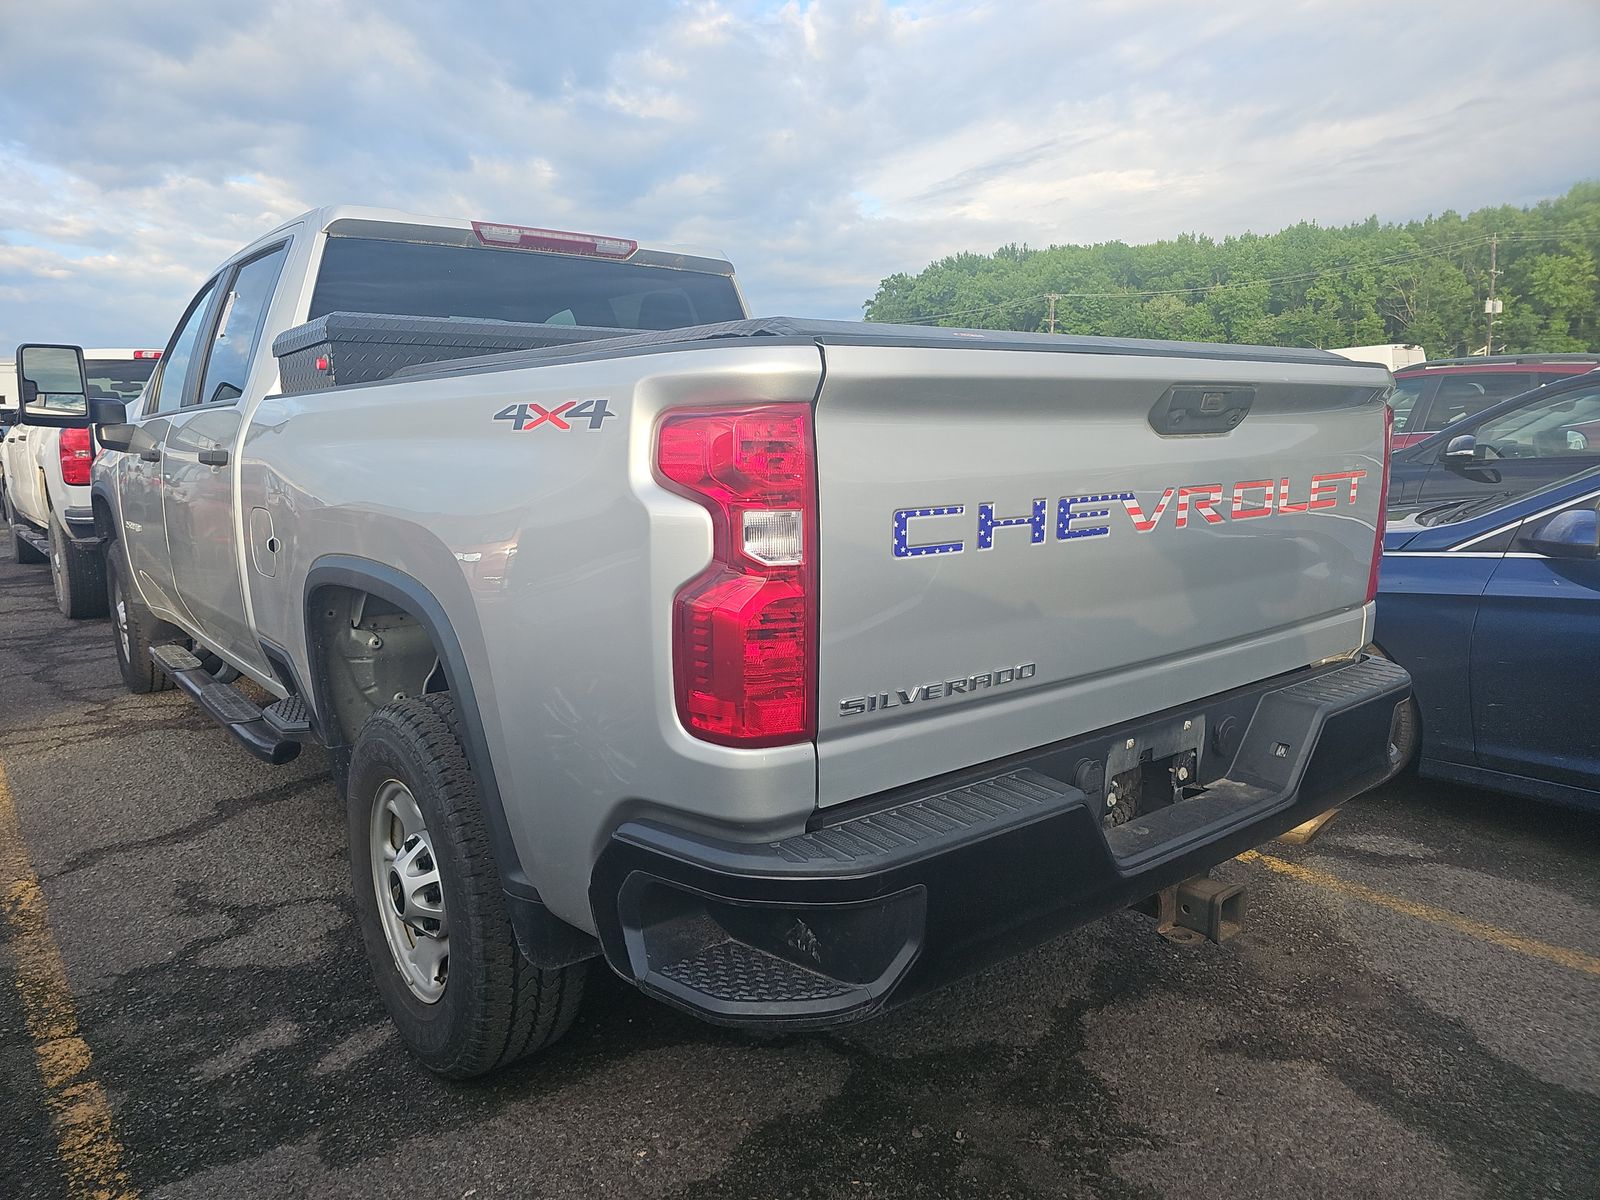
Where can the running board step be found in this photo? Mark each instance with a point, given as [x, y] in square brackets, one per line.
[39, 541]
[227, 706]
[291, 718]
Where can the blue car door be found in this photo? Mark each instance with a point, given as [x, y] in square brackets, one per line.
[1536, 663]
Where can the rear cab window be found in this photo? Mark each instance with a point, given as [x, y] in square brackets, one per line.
[418, 279]
[117, 378]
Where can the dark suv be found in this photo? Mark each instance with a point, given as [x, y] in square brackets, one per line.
[1431, 395]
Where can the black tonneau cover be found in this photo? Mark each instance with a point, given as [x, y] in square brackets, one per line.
[840, 333]
[345, 349]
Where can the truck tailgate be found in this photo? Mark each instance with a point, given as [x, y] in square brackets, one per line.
[1019, 545]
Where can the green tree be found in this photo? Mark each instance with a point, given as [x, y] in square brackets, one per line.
[1422, 281]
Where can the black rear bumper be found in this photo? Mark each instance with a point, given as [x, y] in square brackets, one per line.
[888, 898]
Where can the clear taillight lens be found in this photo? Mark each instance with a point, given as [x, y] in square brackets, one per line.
[745, 630]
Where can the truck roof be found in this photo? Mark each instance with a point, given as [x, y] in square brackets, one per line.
[359, 219]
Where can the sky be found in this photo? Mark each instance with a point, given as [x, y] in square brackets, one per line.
[821, 146]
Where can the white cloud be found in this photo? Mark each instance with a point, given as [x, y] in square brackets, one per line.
[822, 145]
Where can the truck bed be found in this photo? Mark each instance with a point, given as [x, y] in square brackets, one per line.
[365, 347]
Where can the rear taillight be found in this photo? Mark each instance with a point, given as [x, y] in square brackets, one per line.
[1383, 505]
[77, 455]
[744, 631]
[143, 354]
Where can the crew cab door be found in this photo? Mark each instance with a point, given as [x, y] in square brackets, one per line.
[21, 473]
[1535, 647]
[198, 462]
[141, 479]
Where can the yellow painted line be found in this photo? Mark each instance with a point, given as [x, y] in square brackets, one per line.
[1575, 960]
[85, 1140]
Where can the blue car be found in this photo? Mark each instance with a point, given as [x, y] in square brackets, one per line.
[1494, 608]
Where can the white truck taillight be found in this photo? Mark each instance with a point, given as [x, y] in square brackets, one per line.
[744, 631]
[77, 456]
[1383, 504]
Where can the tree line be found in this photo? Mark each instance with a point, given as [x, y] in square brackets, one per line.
[1421, 282]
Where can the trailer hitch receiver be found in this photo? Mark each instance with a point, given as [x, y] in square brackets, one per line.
[1197, 908]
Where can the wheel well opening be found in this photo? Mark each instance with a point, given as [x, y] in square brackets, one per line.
[104, 525]
[368, 653]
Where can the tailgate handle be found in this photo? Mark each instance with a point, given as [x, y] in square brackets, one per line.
[1189, 410]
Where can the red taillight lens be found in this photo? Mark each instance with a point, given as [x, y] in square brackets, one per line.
[744, 631]
[1383, 504]
[77, 455]
[522, 237]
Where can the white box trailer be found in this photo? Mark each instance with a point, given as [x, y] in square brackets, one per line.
[1394, 355]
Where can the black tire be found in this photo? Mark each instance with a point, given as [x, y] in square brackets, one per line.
[23, 550]
[134, 629]
[1406, 737]
[495, 1006]
[79, 574]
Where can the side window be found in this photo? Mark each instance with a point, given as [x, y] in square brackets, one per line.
[1567, 425]
[166, 390]
[1404, 402]
[1459, 397]
[244, 311]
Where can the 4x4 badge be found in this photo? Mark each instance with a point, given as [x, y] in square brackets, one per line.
[561, 417]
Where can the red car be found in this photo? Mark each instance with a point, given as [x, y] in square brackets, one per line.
[1431, 395]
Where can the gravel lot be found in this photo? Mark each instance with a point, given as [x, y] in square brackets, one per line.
[1412, 1011]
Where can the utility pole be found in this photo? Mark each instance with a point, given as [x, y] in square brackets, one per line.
[1052, 297]
[1491, 306]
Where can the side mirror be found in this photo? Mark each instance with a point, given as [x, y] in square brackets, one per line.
[1572, 534]
[1463, 449]
[116, 436]
[107, 412]
[55, 388]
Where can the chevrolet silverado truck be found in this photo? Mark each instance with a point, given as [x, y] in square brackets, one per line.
[44, 474]
[790, 667]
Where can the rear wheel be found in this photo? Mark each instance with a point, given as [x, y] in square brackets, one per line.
[79, 575]
[134, 629]
[428, 895]
[1405, 736]
[23, 550]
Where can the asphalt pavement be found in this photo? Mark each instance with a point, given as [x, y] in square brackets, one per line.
[1413, 1011]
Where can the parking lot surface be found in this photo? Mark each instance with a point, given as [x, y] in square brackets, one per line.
[185, 1011]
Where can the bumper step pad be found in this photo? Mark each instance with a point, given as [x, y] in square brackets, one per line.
[743, 974]
[230, 708]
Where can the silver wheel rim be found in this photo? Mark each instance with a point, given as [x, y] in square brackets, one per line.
[410, 892]
[120, 614]
[58, 570]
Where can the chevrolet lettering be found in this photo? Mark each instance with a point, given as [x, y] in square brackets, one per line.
[1090, 515]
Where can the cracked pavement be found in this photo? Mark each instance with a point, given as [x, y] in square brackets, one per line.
[1337, 1048]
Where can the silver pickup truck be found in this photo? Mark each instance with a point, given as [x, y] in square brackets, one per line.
[792, 667]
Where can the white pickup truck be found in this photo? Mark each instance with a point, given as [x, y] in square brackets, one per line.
[790, 667]
[44, 474]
